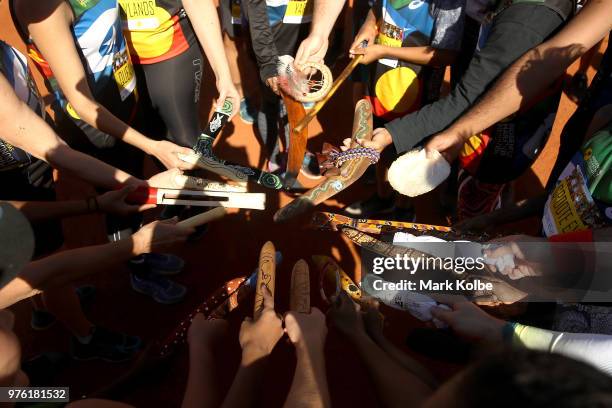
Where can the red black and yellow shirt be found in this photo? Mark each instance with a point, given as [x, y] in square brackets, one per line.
[156, 30]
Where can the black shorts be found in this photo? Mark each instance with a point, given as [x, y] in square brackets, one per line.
[35, 183]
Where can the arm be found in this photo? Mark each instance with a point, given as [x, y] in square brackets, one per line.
[309, 387]
[257, 340]
[538, 68]
[417, 55]
[110, 202]
[314, 47]
[395, 386]
[205, 21]
[201, 389]
[22, 128]
[262, 39]
[513, 32]
[373, 321]
[48, 24]
[64, 267]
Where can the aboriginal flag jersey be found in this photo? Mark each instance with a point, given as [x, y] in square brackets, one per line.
[14, 67]
[398, 87]
[156, 30]
[106, 59]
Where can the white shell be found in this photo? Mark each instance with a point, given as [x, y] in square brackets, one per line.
[414, 173]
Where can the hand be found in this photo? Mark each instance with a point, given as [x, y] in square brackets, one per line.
[515, 246]
[166, 151]
[312, 49]
[158, 236]
[346, 316]
[468, 320]
[273, 85]
[371, 53]
[368, 33]
[113, 202]
[206, 333]
[448, 143]
[227, 90]
[381, 138]
[166, 179]
[258, 338]
[306, 331]
[373, 322]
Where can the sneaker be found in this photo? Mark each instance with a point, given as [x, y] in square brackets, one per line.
[106, 345]
[158, 264]
[161, 289]
[371, 206]
[247, 111]
[310, 166]
[42, 319]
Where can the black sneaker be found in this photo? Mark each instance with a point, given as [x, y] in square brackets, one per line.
[371, 206]
[106, 345]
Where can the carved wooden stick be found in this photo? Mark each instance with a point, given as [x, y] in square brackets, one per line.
[299, 299]
[266, 276]
[204, 218]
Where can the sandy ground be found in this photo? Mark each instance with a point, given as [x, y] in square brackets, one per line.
[231, 249]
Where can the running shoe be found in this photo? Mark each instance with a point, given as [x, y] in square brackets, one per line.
[161, 289]
[578, 86]
[158, 264]
[371, 206]
[106, 345]
[247, 111]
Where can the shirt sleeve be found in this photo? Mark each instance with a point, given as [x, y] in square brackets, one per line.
[262, 38]
[513, 32]
[594, 349]
[448, 25]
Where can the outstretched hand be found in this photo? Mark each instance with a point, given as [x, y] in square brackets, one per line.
[346, 316]
[306, 330]
[258, 337]
[381, 138]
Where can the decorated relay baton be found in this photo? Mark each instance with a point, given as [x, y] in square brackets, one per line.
[204, 157]
[345, 172]
[166, 196]
[266, 276]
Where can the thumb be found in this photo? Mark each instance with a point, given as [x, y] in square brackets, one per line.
[368, 144]
[442, 314]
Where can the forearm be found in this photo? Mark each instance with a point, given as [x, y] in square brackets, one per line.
[422, 55]
[262, 38]
[325, 14]
[36, 211]
[201, 389]
[205, 21]
[102, 119]
[90, 169]
[247, 382]
[66, 266]
[406, 361]
[539, 68]
[395, 387]
[309, 388]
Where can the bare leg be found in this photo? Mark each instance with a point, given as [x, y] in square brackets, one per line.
[232, 57]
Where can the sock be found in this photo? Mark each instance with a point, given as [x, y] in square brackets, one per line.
[86, 339]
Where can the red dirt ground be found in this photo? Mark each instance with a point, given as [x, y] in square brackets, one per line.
[229, 249]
